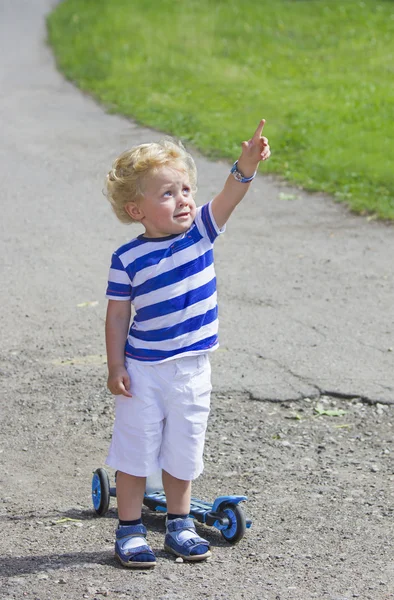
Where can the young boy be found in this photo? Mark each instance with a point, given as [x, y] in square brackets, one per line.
[158, 367]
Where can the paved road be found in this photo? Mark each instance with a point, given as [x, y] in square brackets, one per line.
[306, 289]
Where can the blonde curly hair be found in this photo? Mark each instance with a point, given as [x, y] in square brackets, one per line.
[125, 181]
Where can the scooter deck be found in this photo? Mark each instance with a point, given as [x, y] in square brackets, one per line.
[157, 501]
[202, 511]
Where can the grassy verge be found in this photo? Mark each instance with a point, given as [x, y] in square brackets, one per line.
[320, 73]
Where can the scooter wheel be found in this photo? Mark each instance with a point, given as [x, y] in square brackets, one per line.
[237, 527]
[100, 491]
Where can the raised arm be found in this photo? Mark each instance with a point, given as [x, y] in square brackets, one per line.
[253, 151]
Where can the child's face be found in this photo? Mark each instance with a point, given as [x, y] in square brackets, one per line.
[167, 206]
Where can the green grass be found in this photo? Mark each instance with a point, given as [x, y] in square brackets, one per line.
[320, 72]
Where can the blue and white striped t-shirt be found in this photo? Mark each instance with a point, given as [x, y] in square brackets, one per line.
[171, 283]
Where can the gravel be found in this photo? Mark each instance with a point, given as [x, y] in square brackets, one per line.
[320, 495]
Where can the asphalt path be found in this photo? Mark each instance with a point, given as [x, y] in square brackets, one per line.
[305, 288]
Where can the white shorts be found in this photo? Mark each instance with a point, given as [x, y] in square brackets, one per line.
[163, 425]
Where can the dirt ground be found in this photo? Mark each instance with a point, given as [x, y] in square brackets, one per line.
[320, 495]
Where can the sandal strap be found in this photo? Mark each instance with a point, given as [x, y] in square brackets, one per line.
[180, 524]
[196, 541]
[131, 531]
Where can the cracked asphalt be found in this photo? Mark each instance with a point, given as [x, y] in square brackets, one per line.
[306, 289]
[306, 320]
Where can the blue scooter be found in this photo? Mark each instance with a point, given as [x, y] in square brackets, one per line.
[225, 513]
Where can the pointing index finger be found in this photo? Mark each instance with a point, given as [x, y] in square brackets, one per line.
[260, 127]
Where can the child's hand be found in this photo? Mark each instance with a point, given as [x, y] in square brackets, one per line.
[119, 381]
[255, 150]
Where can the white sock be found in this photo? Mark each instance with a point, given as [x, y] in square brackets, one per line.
[133, 542]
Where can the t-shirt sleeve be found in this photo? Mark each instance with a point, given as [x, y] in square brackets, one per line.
[205, 218]
[119, 284]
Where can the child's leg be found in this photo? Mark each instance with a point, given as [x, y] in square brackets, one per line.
[178, 492]
[182, 450]
[129, 496]
[181, 537]
[131, 548]
[135, 448]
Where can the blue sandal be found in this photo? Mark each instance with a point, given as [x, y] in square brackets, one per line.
[139, 557]
[195, 548]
